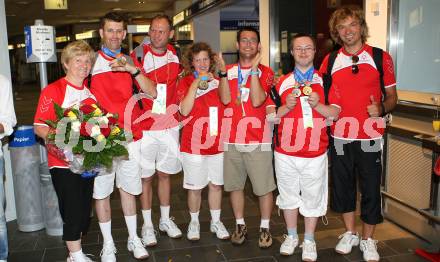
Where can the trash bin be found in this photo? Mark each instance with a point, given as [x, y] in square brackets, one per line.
[51, 212]
[25, 161]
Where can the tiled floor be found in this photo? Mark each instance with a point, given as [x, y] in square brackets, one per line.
[395, 244]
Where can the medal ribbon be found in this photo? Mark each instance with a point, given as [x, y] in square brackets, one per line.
[241, 81]
[109, 52]
[302, 78]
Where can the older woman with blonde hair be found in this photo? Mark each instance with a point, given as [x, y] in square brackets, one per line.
[73, 191]
[201, 155]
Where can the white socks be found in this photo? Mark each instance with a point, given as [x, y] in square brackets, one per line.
[264, 223]
[195, 216]
[215, 215]
[240, 221]
[164, 213]
[146, 214]
[131, 226]
[106, 231]
[77, 256]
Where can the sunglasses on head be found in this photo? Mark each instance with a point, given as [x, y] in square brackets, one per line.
[354, 66]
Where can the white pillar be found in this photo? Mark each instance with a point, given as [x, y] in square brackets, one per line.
[264, 31]
[376, 15]
[206, 28]
[6, 71]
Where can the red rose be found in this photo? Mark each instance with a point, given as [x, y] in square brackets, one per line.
[112, 121]
[86, 129]
[105, 131]
[87, 109]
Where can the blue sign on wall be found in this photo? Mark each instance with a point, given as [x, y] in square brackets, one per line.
[28, 41]
[239, 24]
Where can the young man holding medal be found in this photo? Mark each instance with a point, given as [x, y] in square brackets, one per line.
[356, 152]
[301, 164]
[112, 80]
[160, 128]
[247, 135]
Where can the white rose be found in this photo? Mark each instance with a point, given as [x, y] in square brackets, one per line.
[103, 120]
[109, 115]
[96, 131]
[76, 125]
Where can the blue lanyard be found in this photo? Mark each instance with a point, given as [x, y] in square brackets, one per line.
[109, 52]
[203, 78]
[303, 77]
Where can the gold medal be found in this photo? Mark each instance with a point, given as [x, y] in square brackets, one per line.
[296, 92]
[203, 85]
[307, 90]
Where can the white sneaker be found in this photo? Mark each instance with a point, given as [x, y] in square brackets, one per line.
[346, 242]
[309, 250]
[369, 250]
[137, 248]
[84, 258]
[288, 246]
[148, 236]
[220, 230]
[108, 252]
[170, 228]
[193, 231]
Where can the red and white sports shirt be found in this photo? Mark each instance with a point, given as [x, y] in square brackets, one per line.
[294, 139]
[66, 95]
[161, 69]
[196, 137]
[247, 125]
[355, 91]
[113, 90]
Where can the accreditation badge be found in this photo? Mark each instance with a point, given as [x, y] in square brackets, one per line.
[213, 120]
[307, 113]
[160, 103]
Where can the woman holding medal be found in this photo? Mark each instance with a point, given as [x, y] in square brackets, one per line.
[301, 156]
[201, 155]
[73, 191]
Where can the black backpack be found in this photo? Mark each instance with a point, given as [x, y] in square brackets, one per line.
[327, 77]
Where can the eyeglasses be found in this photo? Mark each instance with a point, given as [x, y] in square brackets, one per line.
[304, 49]
[249, 41]
[354, 66]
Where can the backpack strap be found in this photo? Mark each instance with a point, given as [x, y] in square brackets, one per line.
[277, 100]
[378, 60]
[327, 77]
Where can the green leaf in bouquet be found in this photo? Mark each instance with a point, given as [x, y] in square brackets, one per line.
[90, 160]
[59, 111]
[78, 148]
[106, 158]
[119, 150]
[50, 123]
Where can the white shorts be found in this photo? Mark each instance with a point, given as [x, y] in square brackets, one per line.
[160, 151]
[127, 172]
[199, 170]
[302, 183]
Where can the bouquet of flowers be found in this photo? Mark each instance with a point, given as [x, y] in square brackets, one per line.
[86, 137]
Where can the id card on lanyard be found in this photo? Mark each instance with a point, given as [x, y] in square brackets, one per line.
[213, 121]
[160, 103]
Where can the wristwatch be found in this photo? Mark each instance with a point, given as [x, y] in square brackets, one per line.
[138, 71]
[222, 74]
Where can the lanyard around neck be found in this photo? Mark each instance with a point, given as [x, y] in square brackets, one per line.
[110, 53]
